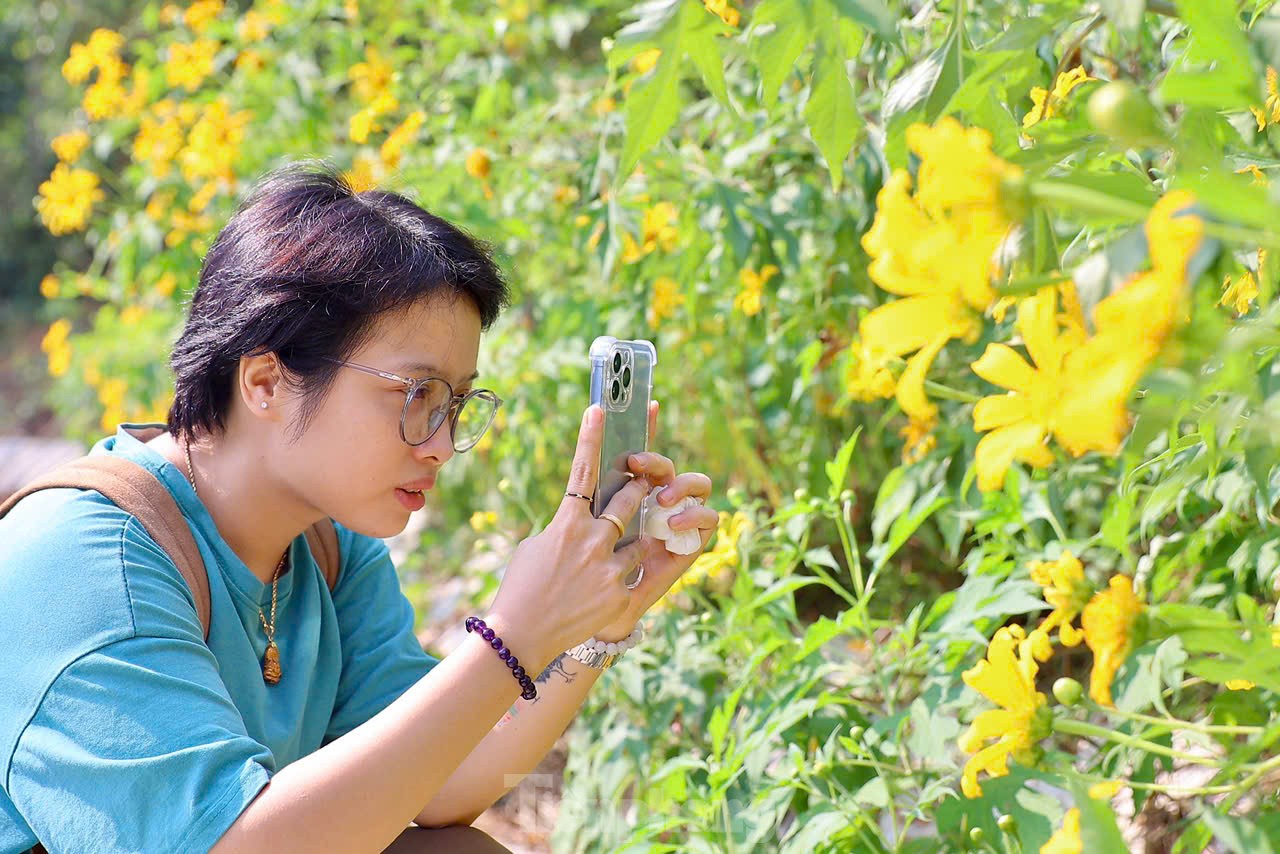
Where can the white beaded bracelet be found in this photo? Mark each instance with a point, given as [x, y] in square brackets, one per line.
[618, 647]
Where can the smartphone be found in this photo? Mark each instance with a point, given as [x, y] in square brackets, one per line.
[621, 382]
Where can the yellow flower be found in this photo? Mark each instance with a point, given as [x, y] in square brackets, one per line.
[106, 97]
[254, 26]
[478, 164]
[665, 300]
[482, 520]
[727, 13]
[1067, 592]
[565, 194]
[1238, 294]
[604, 105]
[249, 61]
[1272, 104]
[395, 142]
[1007, 677]
[201, 13]
[364, 173]
[749, 299]
[189, 64]
[918, 440]
[213, 143]
[132, 314]
[1151, 304]
[69, 146]
[631, 252]
[66, 199]
[1109, 621]
[935, 249]
[56, 336]
[1047, 104]
[101, 50]
[644, 61]
[657, 227]
[202, 197]
[50, 287]
[1259, 178]
[1067, 838]
[166, 284]
[867, 378]
[371, 77]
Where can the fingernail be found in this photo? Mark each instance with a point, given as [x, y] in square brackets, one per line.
[666, 496]
[594, 415]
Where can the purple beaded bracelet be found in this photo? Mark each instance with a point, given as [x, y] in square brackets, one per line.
[475, 624]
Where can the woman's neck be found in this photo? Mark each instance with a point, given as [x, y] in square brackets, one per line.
[255, 513]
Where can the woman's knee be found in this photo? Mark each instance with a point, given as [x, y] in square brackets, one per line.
[456, 839]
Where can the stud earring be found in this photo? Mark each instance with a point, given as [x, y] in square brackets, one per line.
[264, 404]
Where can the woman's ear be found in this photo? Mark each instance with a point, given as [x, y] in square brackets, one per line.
[260, 382]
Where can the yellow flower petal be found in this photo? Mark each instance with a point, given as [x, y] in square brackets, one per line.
[1004, 367]
[998, 449]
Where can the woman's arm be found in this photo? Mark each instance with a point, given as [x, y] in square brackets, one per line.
[359, 792]
[514, 746]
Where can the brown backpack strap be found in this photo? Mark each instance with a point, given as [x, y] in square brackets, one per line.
[136, 491]
[323, 539]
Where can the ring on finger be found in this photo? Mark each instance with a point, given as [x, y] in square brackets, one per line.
[617, 523]
[639, 577]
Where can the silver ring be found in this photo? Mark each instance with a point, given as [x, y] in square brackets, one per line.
[639, 578]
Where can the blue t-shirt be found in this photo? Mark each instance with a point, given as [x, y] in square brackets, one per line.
[120, 729]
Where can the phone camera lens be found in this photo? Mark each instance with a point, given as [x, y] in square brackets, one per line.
[617, 390]
[626, 376]
[617, 361]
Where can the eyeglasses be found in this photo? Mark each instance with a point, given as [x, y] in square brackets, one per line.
[430, 400]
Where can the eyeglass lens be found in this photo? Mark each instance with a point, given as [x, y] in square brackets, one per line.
[429, 407]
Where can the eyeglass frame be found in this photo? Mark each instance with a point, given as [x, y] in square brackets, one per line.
[412, 385]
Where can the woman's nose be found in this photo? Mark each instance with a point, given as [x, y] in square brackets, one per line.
[439, 447]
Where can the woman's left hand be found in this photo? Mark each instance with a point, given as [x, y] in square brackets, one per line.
[661, 567]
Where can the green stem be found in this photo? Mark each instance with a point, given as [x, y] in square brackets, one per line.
[1074, 727]
[1176, 724]
[1028, 284]
[1053, 193]
[1248, 783]
[850, 544]
[1178, 791]
[946, 392]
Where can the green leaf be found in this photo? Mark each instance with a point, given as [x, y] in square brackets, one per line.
[776, 52]
[1240, 835]
[838, 469]
[872, 15]
[1215, 72]
[832, 112]
[703, 48]
[1098, 829]
[652, 108]
[1124, 15]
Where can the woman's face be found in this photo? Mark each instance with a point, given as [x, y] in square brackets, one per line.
[351, 459]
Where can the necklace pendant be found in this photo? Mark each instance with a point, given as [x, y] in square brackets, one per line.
[271, 664]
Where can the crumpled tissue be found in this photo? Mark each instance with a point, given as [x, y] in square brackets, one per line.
[657, 524]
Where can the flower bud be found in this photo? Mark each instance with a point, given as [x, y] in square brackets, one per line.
[1007, 824]
[801, 494]
[976, 836]
[1068, 691]
[1122, 111]
[846, 496]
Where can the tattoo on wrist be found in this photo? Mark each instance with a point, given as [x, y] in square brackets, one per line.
[556, 666]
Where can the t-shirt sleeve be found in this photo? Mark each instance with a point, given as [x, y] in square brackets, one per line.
[136, 746]
[381, 655]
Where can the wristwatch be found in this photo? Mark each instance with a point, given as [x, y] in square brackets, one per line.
[599, 659]
[602, 655]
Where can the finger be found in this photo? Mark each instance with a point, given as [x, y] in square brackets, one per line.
[586, 459]
[693, 483]
[627, 558]
[656, 467]
[653, 421]
[626, 502]
[695, 517]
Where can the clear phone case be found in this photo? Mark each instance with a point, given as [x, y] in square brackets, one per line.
[622, 383]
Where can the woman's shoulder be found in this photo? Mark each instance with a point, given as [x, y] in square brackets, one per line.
[75, 561]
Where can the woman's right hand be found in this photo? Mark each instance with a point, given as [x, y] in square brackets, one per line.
[566, 582]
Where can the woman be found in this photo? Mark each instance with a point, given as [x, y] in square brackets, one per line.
[331, 335]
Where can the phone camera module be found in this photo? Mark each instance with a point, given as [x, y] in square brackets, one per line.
[617, 390]
[626, 376]
[617, 362]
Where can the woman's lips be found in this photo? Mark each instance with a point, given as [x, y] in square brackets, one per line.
[412, 501]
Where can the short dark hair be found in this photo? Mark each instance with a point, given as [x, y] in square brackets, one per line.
[302, 269]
